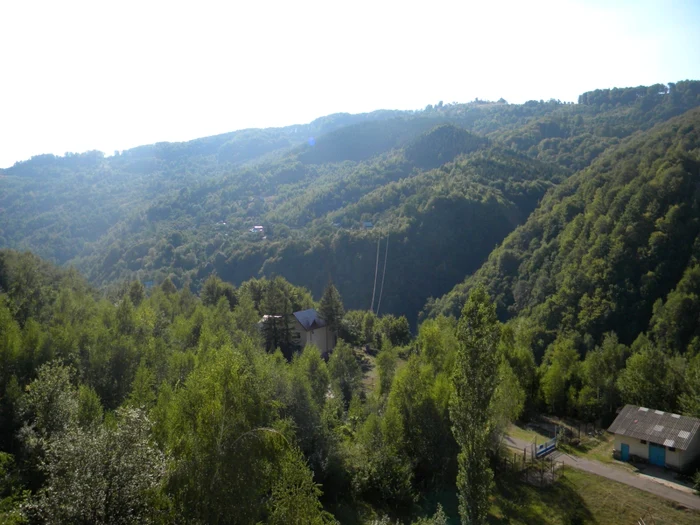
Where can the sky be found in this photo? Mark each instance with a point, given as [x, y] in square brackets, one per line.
[111, 75]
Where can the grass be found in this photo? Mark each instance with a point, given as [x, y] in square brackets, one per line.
[579, 497]
[595, 447]
[576, 497]
[592, 447]
[527, 434]
[370, 373]
[598, 448]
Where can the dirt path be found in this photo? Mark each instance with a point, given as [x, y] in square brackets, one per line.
[658, 487]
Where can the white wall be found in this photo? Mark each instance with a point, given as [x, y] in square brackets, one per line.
[678, 459]
[692, 453]
[636, 447]
[674, 459]
[321, 337]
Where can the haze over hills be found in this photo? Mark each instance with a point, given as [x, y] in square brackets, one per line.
[546, 258]
[445, 185]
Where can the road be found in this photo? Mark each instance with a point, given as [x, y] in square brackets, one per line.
[644, 483]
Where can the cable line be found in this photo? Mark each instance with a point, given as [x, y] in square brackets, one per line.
[376, 268]
[386, 254]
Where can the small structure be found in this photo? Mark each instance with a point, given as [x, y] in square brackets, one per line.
[257, 229]
[657, 437]
[539, 451]
[310, 329]
[367, 225]
[306, 328]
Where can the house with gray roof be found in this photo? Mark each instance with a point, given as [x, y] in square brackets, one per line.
[657, 437]
[310, 329]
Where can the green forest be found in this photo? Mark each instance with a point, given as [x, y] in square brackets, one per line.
[481, 264]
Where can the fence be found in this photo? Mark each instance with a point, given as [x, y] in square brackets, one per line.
[545, 448]
[529, 468]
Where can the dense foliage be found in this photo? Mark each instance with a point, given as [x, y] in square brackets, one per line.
[605, 270]
[154, 390]
[158, 406]
[452, 180]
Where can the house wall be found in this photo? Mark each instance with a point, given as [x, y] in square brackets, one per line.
[692, 454]
[636, 446]
[675, 459]
[321, 337]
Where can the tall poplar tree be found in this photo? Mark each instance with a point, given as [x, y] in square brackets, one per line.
[475, 380]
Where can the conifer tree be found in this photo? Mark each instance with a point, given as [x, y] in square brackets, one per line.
[331, 307]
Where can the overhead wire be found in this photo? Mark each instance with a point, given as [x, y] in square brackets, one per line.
[376, 269]
[381, 290]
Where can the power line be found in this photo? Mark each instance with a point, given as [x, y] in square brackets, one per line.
[386, 254]
[376, 268]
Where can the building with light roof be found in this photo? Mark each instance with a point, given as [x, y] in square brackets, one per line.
[657, 437]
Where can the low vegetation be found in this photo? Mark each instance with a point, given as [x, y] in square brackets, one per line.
[579, 497]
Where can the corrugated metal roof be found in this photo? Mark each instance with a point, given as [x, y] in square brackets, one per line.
[309, 319]
[655, 426]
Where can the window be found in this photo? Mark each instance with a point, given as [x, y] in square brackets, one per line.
[643, 441]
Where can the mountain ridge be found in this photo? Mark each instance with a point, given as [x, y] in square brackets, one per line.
[183, 210]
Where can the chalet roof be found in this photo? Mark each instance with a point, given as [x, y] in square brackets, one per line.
[657, 426]
[309, 319]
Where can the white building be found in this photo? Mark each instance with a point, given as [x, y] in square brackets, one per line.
[307, 328]
[658, 437]
[310, 329]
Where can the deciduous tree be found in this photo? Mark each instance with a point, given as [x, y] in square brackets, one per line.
[475, 380]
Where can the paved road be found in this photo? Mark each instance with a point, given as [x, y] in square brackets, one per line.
[628, 478]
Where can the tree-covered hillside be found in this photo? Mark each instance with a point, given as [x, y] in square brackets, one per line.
[614, 248]
[445, 185]
[149, 372]
[159, 406]
[315, 228]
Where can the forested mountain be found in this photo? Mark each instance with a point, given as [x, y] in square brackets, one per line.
[604, 274]
[605, 248]
[149, 390]
[450, 181]
[165, 407]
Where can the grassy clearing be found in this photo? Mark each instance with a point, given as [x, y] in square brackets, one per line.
[576, 498]
[579, 497]
[598, 448]
[527, 434]
[370, 373]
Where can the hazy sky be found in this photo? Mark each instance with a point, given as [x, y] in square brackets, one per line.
[107, 75]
